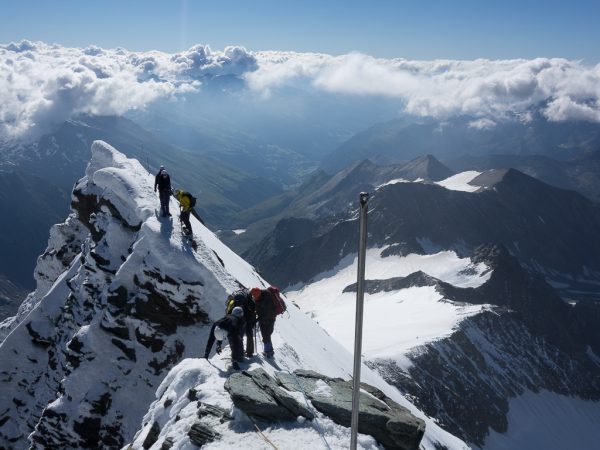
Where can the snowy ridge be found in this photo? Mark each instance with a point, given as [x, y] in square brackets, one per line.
[121, 299]
[460, 181]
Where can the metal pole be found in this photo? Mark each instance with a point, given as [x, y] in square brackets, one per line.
[360, 293]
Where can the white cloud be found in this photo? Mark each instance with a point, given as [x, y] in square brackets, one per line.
[482, 124]
[42, 85]
[444, 88]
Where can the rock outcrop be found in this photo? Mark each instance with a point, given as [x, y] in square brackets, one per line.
[258, 395]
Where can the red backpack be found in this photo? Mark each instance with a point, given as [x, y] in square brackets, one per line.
[279, 305]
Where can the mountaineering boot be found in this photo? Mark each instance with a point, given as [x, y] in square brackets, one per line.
[269, 354]
[235, 365]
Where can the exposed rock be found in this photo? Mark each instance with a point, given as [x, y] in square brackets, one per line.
[163, 312]
[389, 423]
[167, 444]
[152, 436]
[403, 249]
[127, 351]
[201, 434]
[205, 409]
[102, 405]
[171, 358]
[491, 358]
[418, 279]
[152, 342]
[258, 395]
[37, 338]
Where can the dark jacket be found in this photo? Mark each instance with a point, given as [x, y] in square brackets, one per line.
[234, 326]
[162, 181]
[246, 302]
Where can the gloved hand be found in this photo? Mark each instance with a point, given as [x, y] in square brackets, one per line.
[219, 348]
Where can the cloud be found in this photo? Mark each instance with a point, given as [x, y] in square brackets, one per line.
[482, 124]
[443, 88]
[42, 85]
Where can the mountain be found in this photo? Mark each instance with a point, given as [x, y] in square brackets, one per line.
[471, 331]
[581, 174]
[477, 342]
[105, 348]
[11, 297]
[325, 196]
[399, 140]
[61, 156]
[29, 205]
[283, 135]
[36, 177]
[550, 230]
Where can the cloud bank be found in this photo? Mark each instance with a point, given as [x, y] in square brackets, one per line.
[42, 85]
[562, 89]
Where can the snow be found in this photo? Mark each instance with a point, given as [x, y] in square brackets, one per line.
[394, 322]
[136, 241]
[239, 231]
[394, 181]
[548, 421]
[460, 181]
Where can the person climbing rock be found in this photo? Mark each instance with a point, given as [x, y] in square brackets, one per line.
[231, 326]
[244, 300]
[266, 315]
[162, 181]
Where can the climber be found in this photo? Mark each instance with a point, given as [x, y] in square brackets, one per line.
[162, 181]
[244, 300]
[265, 314]
[186, 206]
[232, 326]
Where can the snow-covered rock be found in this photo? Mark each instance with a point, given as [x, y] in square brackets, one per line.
[104, 352]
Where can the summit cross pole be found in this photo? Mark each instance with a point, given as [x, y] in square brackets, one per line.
[360, 293]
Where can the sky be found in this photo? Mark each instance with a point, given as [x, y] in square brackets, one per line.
[424, 30]
[433, 58]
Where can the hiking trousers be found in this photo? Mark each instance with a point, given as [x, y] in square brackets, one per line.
[185, 219]
[249, 339]
[164, 196]
[237, 347]
[266, 330]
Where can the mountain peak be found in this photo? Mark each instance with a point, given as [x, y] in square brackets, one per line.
[427, 167]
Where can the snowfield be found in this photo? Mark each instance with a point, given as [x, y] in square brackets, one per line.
[460, 181]
[394, 322]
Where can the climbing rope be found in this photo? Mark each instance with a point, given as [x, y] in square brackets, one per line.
[316, 421]
[263, 434]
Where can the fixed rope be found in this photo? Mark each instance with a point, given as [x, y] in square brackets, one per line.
[263, 434]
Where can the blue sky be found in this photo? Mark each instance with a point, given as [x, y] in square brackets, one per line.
[410, 29]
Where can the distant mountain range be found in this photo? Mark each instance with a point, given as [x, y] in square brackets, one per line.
[581, 173]
[550, 230]
[400, 140]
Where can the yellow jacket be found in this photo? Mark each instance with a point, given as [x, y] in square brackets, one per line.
[184, 201]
